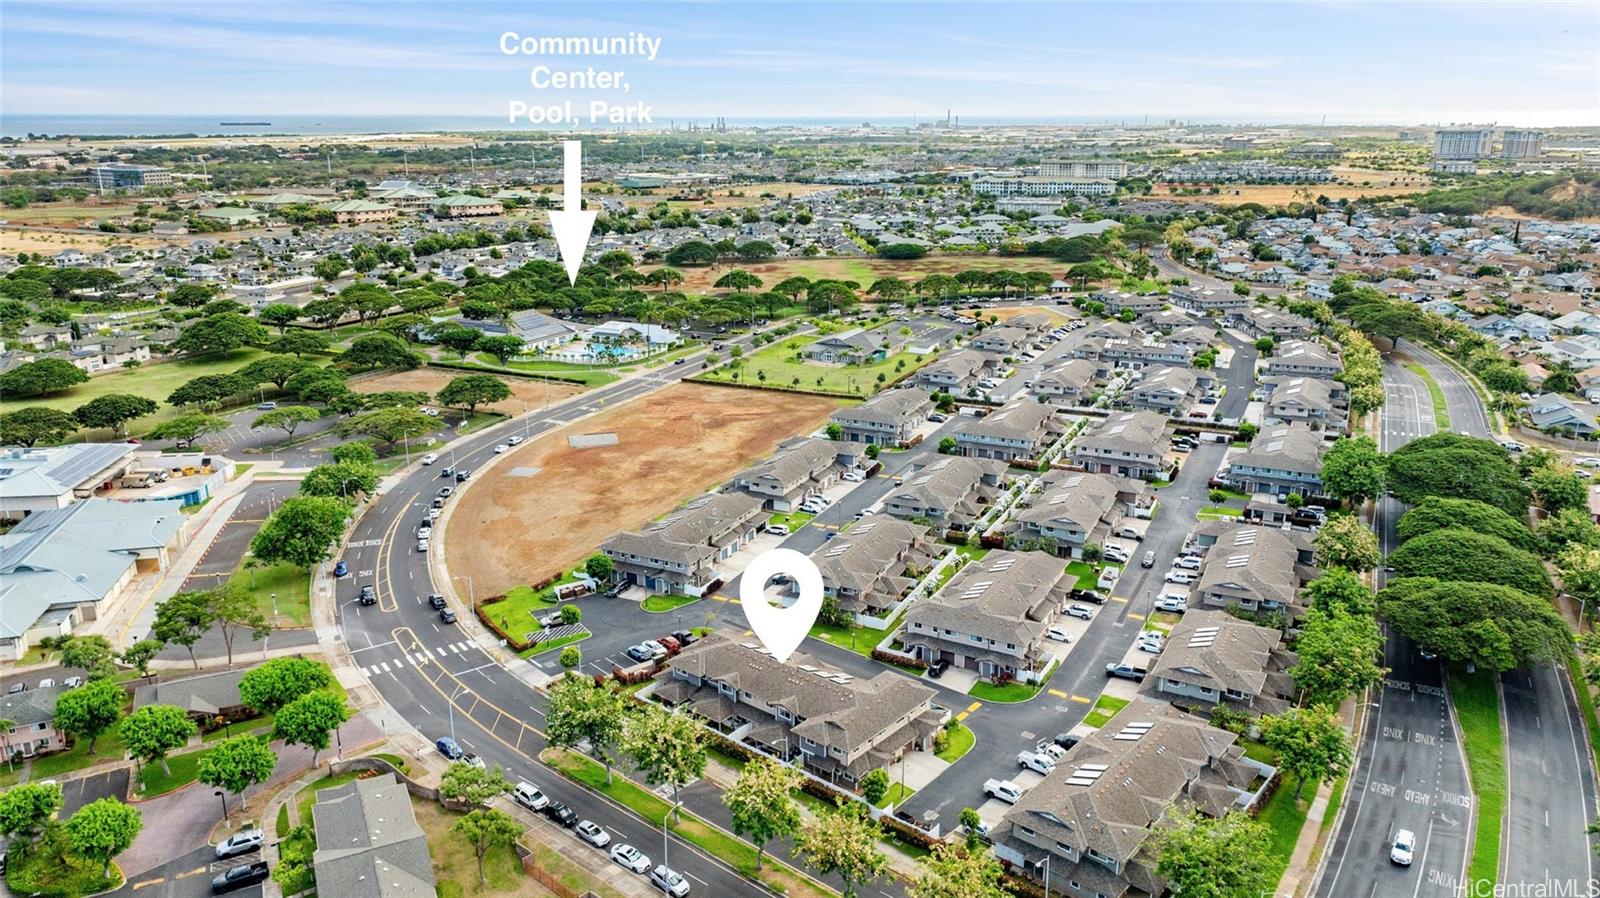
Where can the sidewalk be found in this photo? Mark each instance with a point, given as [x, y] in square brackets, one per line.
[1305, 861]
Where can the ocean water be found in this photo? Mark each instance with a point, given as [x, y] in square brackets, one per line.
[23, 124]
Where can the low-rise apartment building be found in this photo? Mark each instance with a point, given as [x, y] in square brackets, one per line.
[1002, 340]
[1212, 658]
[1073, 382]
[992, 616]
[678, 554]
[890, 418]
[1313, 401]
[1020, 429]
[955, 372]
[1128, 444]
[950, 492]
[32, 728]
[837, 726]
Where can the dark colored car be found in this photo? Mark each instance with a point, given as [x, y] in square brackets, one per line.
[446, 616]
[369, 595]
[1089, 595]
[239, 877]
[449, 748]
[1066, 740]
[684, 637]
[340, 569]
[436, 601]
[937, 668]
[561, 815]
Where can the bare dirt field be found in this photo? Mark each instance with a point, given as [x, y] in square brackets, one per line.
[671, 446]
[30, 240]
[430, 380]
[1353, 182]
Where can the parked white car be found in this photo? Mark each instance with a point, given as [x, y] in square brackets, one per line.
[1172, 602]
[630, 857]
[1005, 790]
[1058, 634]
[778, 529]
[1080, 611]
[1035, 761]
[1188, 563]
[1183, 578]
[853, 476]
[1115, 553]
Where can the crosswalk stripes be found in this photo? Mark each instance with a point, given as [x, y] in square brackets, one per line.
[419, 658]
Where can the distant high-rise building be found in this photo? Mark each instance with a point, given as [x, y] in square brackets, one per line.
[1462, 143]
[1083, 168]
[117, 175]
[1521, 144]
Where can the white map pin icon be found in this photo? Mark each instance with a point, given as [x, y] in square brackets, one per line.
[781, 629]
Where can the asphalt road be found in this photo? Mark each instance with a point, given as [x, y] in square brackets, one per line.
[188, 876]
[1550, 776]
[1410, 773]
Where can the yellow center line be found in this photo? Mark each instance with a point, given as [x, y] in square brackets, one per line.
[149, 882]
[974, 706]
[962, 715]
[385, 553]
[403, 636]
[1057, 693]
[1080, 699]
[1133, 616]
[1119, 599]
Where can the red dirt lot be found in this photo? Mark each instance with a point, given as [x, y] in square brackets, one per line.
[511, 530]
[431, 380]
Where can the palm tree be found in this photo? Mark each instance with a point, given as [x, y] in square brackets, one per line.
[6, 724]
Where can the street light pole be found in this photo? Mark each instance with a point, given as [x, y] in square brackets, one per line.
[664, 820]
[451, 705]
[471, 593]
[224, 796]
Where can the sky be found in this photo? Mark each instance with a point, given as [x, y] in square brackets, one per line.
[1385, 61]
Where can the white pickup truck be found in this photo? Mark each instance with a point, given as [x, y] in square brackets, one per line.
[1036, 761]
[1005, 790]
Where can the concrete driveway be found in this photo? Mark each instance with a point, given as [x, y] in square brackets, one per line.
[918, 769]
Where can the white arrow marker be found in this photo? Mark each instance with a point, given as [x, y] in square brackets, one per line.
[573, 224]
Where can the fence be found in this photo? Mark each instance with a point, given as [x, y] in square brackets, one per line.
[381, 766]
[544, 877]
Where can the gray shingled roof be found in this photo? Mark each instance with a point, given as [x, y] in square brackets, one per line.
[368, 842]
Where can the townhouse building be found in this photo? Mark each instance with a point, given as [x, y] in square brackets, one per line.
[1093, 816]
[890, 418]
[1020, 429]
[873, 565]
[950, 492]
[1165, 390]
[1072, 382]
[1212, 658]
[801, 467]
[1253, 568]
[1117, 302]
[1128, 444]
[1261, 321]
[838, 727]
[1303, 358]
[1555, 412]
[992, 616]
[1076, 509]
[32, 729]
[1317, 403]
[1002, 340]
[678, 555]
[1216, 303]
[955, 372]
[1282, 459]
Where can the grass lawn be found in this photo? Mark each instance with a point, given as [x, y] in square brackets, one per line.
[1477, 704]
[958, 741]
[983, 690]
[896, 794]
[191, 509]
[1441, 412]
[574, 877]
[553, 644]
[153, 780]
[1105, 708]
[514, 613]
[289, 583]
[308, 795]
[107, 748]
[238, 727]
[777, 362]
[856, 638]
[154, 380]
[1218, 511]
[1256, 751]
[739, 854]
[455, 863]
[794, 520]
[1284, 817]
[1087, 578]
[661, 604]
[591, 375]
[1585, 702]
[972, 553]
